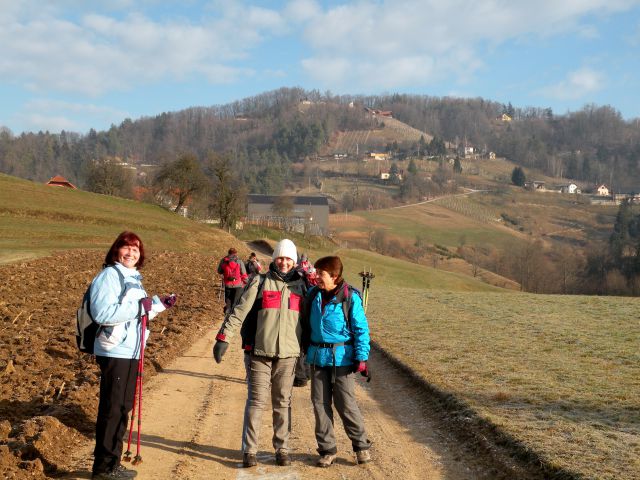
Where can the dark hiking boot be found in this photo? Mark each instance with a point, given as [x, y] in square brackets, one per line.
[363, 456]
[249, 460]
[282, 458]
[298, 382]
[117, 473]
[326, 460]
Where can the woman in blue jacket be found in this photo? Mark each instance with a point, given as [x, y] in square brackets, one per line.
[337, 349]
[117, 301]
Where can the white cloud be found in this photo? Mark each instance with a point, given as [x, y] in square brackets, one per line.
[425, 40]
[52, 123]
[99, 53]
[577, 85]
[301, 10]
[55, 115]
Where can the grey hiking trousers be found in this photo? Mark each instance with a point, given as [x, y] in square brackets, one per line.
[269, 379]
[342, 393]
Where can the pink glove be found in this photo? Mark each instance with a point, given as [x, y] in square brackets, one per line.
[364, 370]
[169, 300]
[146, 303]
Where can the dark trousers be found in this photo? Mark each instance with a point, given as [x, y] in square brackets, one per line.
[117, 390]
[302, 369]
[231, 297]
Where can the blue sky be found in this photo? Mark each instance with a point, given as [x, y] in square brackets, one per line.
[76, 65]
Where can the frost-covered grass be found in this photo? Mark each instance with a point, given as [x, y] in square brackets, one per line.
[559, 373]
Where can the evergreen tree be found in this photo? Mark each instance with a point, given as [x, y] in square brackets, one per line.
[412, 168]
[457, 166]
[620, 239]
[518, 177]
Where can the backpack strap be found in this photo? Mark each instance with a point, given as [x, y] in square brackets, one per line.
[123, 292]
[123, 287]
[347, 291]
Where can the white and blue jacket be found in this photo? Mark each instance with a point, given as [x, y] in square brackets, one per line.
[119, 333]
[328, 327]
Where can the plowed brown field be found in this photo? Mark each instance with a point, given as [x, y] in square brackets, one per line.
[44, 376]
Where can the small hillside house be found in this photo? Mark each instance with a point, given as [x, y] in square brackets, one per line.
[569, 188]
[379, 156]
[60, 181]
[308, 213]
[535, 185]
[603, 190]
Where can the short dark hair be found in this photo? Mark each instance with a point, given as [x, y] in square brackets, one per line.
[232, 251]
[252, 254]
[332, 265]
[125, 239]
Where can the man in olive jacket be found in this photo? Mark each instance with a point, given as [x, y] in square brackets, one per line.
[270, 309]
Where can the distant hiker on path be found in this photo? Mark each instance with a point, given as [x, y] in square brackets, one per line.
[117, 303]
[272, 331]
[234, 278]
[253, 265]
[308, 272]
[307, 269]
[337, 349]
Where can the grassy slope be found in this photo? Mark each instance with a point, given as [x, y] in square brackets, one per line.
[391, 272]
[36, 219]
[435, 224]
[559, 373]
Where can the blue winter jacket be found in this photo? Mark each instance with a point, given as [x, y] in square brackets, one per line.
[329, 326]
[119, 333]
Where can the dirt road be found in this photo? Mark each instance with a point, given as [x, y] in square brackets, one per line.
[193, 408]
[193, 419]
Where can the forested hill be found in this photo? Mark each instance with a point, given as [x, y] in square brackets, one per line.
[265, 133]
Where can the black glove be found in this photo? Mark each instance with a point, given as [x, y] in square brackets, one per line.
[146, 303]
[169, 300]
[219, 349]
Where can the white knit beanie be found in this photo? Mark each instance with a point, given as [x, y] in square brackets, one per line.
[285, 248]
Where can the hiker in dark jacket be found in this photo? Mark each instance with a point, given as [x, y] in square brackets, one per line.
[234, 278]
[253, 265]
[336, 350]
[117, 347]
[271, 308]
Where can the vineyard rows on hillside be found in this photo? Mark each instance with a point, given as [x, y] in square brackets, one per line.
[468, 208]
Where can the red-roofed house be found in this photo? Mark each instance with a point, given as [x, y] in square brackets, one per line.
[60, 181]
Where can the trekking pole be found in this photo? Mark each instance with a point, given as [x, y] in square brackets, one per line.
[127, 454]
[137, 393]
[366, 275]
[138, 458]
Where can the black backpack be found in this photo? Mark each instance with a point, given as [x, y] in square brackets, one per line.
[87, 330]
[343, 296]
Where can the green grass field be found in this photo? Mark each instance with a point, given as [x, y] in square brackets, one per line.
[561, 374]
[37, 219]
[433, 223]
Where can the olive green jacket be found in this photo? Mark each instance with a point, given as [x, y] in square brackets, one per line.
[278, 327]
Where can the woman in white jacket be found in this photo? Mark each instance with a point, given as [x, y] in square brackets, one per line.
[117, 302]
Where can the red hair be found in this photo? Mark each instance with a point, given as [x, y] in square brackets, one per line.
[125, 239]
